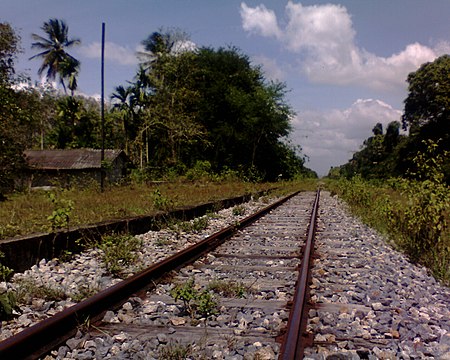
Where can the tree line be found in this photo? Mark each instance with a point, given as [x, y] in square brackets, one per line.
[184, 106]
[388, 153]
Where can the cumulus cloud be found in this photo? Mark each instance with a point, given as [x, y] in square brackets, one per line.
[259, 20]
[324, 37]
[113, 53]
[270, 67]
[330, 138]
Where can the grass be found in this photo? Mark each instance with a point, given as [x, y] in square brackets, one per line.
[229, 289]
[27, 213]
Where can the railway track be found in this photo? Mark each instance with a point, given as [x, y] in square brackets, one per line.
[235, 298]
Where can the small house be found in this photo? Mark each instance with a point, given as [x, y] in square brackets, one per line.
[65, 167]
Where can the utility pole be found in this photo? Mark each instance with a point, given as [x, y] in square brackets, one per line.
[102, 156]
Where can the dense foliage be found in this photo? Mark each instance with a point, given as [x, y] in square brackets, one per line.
[206, 105]
[13, 121]
[186, 108]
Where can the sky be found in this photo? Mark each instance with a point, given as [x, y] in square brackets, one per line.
[344, 63]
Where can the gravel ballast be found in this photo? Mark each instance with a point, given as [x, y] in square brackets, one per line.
[372, 303]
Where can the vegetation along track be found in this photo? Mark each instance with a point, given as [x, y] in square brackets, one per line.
[232, 300]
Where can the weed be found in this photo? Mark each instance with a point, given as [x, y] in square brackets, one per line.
[84, 291]
[5, 272]
[413, 212]
[163, 242]
[175, 351]
[66, 256]
[28, 289]
[228, 288]
[119, 252]
[8, 303]
[194, 226]
[8, 230]
[239, 210]
[205, 303]
[60, 216]
[25, 213]
[201, 170]
[161, 202]
[196, 302]
[187, 293]
[231, 342]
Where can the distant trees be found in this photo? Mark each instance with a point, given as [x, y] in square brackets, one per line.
[378, 156]
[426, 116]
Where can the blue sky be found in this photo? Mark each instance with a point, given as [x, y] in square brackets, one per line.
[345, 62]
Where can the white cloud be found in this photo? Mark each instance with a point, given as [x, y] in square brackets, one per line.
[270, 67]
[113, 53]
[259, 20]
[324, 37]
[330, 138]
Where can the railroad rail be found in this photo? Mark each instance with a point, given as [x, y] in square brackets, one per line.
[280, 241]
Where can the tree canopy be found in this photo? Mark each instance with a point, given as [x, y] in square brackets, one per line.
[428, 101]
[205, 104]
[54, 56]
[12, 120]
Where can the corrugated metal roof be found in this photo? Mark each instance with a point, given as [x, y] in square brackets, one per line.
[68, 158]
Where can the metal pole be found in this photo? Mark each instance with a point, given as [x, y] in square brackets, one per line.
[102, 156]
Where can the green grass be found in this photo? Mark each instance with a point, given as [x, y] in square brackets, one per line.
[27, 213]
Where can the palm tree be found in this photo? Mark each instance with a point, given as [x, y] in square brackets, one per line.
[55, 58]
[122, 103]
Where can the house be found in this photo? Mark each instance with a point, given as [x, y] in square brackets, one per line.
[68, 166]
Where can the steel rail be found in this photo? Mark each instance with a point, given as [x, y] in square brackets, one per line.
[39, 339]
[294, 340]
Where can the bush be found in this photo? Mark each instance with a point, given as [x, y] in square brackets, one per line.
[201, 170]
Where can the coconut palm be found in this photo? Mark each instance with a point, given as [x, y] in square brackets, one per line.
[55, 58]
[122, 103]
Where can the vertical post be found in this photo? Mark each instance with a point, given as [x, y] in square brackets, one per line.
[102, 156]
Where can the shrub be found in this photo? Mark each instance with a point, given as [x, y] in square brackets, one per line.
[61, 212]
[161, 202]
[201, 170]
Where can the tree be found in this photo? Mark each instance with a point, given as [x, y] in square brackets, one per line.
[55, 58]
[122, 104]
[427, 107]
[427, 111]
[207, 105]
[74, 125]
[9, 48]
[245, 117]
[392, 137]
[160, 44]
[13, 121]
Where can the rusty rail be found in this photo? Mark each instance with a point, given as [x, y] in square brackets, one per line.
[294, 341]
[41, 338]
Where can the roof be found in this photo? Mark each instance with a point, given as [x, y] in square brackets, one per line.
[69, 158]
